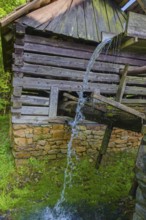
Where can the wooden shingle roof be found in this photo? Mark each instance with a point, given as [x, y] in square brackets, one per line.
[85, 19]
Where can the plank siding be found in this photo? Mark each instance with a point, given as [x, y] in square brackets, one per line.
[54, 64]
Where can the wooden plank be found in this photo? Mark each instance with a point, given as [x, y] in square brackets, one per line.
[58, 20]
[29, 110]
[134, 101]
[91, 28]
[42, 48]
[119, 106]
[38, 70]
[122, 85]
[40, 120]
[129, 42]
[81, 26]
[122, 17]
[18, 57]
[69, 27]
[137, 71]
[70, 63]
[17, 90]
[30, 119]
[45, 84]
[44, 14]
[141, 81]
[101, 16]
[53, 102]
[31, 100]
[136, 26]
[110, 16]
[104, 144]
[86, 48]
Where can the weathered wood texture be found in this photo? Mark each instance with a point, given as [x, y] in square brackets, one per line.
[105, 114]
[48, 63]
[78, 18]
[136, 25]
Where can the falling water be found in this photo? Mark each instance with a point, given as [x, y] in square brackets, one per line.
[58, 212]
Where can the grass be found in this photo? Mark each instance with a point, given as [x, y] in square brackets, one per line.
[40, 183]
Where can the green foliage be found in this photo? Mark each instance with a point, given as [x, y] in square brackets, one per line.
[39, 183]
[6, 6]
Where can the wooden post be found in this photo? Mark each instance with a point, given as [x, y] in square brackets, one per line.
[104, 145]
[53, 102]
[109, 128]
[122, 85]
[18, 57]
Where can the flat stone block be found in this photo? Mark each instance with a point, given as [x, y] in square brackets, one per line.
[51, 157]
[38, 130]
[82, 128]
[22, 155]
[29, 140]
[53, 151]
[46, 130]
[19, 133]
[17, 127]
[41, 142]
[57, 134]
[58, 127]
[61, 155]
[28, 131]
[63, 151]
[80, 149]
[20, 141]
[29, 135]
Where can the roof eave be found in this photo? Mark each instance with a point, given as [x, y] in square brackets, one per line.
[25, 9]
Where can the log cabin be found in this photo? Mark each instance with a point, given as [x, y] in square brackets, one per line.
[47, 45]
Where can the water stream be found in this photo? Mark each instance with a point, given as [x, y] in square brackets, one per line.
[59, 212]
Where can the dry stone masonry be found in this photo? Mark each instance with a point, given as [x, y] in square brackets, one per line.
[51, 141]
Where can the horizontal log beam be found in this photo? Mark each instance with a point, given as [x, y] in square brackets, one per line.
[137, 70]
[64, 85]
[41, 71]
[129, 42]
[31, 100]
[122, 58]
[71, 63]
[55, 72]
[29, 110]
[120, 106]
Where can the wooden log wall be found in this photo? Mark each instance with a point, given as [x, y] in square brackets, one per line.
[43, 63]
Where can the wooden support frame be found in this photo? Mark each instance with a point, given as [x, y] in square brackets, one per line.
[129, 42]
[122, 85]
[120, 106]
[104, 144]
[53, 102]
[109, 128]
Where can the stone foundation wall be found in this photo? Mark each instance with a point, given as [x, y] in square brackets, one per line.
[51, 141]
